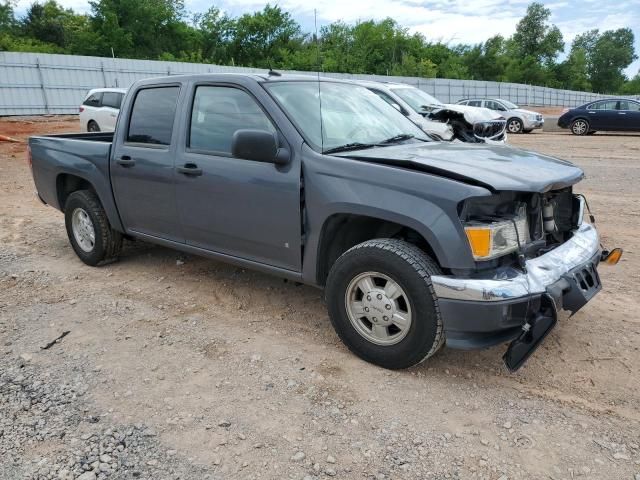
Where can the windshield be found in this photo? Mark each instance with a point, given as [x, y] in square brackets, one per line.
[509, 105]
[417, 99]
[351, 115]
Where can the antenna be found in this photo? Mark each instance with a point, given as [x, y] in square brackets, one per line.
[315, 22]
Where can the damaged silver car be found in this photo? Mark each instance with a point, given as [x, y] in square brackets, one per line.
[445, 122]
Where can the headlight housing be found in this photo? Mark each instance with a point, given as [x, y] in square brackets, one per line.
[489, 240]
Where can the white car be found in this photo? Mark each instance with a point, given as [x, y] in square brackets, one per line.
[519, 120]
[446, 122]
[99, 111]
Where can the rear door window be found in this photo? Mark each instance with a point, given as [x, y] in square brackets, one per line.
[112, 99]
[604, 105]
[93, 100]
[218, 112]
[152, 116]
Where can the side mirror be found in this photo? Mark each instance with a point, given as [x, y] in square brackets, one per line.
[258, 145]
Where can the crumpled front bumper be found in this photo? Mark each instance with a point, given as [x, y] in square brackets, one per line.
[492, 307]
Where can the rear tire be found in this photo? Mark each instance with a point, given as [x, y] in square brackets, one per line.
[580, 127]
[88, 229]
[92, 126]
[382, 303]
[514, 125]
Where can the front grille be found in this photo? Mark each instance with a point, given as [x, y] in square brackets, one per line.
[492, 129]
[538, 117]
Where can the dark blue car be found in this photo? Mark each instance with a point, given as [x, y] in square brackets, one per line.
[613, 114]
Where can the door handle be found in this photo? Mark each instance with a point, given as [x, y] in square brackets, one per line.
[189, 169]
[622, 113]
[126, 161]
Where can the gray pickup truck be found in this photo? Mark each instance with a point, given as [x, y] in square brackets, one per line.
[417, 243]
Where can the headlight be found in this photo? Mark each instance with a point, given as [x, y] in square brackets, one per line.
[497, 238]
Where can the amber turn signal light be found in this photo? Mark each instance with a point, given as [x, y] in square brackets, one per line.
[612, 257]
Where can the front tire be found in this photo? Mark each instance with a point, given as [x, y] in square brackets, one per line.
[580, 127]
[88, 229]
[382, 303]
[514, 125]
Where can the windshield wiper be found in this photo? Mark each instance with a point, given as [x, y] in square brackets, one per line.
[349, 146]
[397, 138]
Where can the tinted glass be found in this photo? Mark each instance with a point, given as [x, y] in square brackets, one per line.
[629, 105]
[93, 100]
[218, 112]
[604, 105]
[152, 116]
[475, 103]
[112, 99]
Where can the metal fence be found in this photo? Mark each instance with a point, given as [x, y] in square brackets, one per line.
[36, 83]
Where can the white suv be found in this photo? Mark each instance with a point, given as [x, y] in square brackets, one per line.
[519, 120]
[99, 111]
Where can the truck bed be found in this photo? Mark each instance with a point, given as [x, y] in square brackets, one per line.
[83, 156]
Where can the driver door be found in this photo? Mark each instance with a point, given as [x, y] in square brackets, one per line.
[242, 208]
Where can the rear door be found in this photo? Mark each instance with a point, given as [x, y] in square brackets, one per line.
[242, 208]
[110, 108]
[603, 115]
[142, 168]
[629, 114]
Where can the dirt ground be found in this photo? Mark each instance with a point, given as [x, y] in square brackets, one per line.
[181, 367]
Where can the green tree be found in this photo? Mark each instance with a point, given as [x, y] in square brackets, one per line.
[143, 29]
[216, 30]
[612, 53]
[487, 61]
[632, 87]
[535, 37]
[7, 17]
[260, 38]
[573, 73]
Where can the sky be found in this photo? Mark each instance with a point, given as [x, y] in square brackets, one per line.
[450, 21]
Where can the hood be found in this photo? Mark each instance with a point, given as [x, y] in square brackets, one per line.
[474, 114]
[497, 167]
[525, 112]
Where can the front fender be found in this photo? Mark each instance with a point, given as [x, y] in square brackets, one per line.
[423, 202]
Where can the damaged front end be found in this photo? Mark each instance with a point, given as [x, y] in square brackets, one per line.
[468, 127]
[535, 256]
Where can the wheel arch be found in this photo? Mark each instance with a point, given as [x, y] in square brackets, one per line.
[67, 183]
[341, 231]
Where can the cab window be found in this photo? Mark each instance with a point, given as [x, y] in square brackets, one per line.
[152, 116]
[218, 112]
